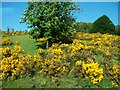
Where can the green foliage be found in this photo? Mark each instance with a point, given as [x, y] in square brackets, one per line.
[83, 27]
[18, 83]
[117, 30]
[105, 83]
[103, 25]
[49, 19]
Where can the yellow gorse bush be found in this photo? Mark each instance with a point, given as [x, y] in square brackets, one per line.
[17, 49]
[40, 51]
[41, 40]
[15, 63]
[6, 41]
[90, 69]
[6, 52]
[62, 59]
[0, 51]
[115, 73]
[4, 33]
[93, 72]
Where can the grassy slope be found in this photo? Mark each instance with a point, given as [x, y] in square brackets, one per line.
[38, 81]
[28, 44]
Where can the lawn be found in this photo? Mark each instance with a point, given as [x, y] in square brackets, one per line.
[27, 43]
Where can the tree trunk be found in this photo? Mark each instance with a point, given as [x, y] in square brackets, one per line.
[48, 44]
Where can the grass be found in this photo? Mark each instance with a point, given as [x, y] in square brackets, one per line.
[39, 81]
[28, 44]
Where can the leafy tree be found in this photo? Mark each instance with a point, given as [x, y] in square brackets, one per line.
[83, 27]
[49, 19]
[117, 30]
[103, 25]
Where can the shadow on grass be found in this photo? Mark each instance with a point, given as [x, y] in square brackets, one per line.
[41, 45]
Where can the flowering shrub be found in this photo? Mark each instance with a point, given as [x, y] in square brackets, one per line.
[53, 63]
[93, 72]
[90, 70]
[0, 53]
[15, 63]
[77, 59]
[115, 73]
[17, 49]
[40, 51]
[6, 52]
[4, 33]
[56, 62]
[6, 41]
[41, 40]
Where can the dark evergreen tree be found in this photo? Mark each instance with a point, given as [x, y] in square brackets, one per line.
[103, 25]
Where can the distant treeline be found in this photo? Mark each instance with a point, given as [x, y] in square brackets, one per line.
[12, 30]
[86, 27]
[101, 25]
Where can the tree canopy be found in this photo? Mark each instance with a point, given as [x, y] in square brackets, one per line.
[49, 19]
[83, 26]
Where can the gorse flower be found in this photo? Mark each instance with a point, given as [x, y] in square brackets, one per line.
[6, 52]
[78, 63]
[15, 63]
[6, 41]
[17, 48]
[40, 50]
[78, 59]
[41, 40]
[115, 72]
[93, 72]
[4, 33]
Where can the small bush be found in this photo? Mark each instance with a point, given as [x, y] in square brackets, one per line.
[6, 41]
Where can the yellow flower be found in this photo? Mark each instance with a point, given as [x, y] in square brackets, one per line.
[107, 53]
[6, 41]
[6, 52]
[40, 50]
[93, 72]
[17, 48]
[17, 42]
[78, 63]
[115, 85]
[41, 40]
